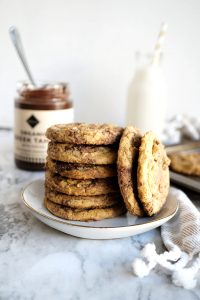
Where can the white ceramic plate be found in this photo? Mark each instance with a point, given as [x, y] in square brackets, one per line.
[123, 226]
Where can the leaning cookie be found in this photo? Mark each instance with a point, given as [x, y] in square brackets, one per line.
[81, 171]
[86, 134]
[96, 214]
[127, 169]
[84, 202]
[82, 154]
[79, 187]
[152, 174]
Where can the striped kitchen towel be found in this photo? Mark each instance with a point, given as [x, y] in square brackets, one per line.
[181, 237]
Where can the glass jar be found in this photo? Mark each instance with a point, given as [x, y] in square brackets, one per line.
[36, 109]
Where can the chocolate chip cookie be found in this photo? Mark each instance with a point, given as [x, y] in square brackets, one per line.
[64, 212]
[127, 169]
[79, 187]
[87, 134]
[83, 202]
[81, 171]
[186, 163]
[152, 174]
[99, 155]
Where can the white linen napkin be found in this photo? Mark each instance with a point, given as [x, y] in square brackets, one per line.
[181, 127]
[181, 237]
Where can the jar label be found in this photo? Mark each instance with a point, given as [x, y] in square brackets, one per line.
[30, 127]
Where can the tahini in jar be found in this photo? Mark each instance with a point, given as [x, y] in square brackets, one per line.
[36, 109]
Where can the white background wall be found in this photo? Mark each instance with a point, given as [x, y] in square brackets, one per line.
[91, 44]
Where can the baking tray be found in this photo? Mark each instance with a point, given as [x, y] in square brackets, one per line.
[191, 182]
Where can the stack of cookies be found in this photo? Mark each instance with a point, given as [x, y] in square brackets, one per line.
[81, 178]
[95, 171]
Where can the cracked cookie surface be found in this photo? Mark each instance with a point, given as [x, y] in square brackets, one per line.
[81, 133]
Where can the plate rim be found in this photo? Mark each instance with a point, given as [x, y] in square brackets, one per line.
[84, 226]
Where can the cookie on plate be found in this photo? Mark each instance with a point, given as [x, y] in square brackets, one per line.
[81, 171]
[83, 202]
[83, 154]
[79, 187]
[95, 214]
[87, 134]
[127, 169]
[186, 163]
[152, 174]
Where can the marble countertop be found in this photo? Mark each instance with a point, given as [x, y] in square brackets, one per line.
[38, 262]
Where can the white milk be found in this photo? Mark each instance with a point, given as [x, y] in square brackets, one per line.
[147, 98]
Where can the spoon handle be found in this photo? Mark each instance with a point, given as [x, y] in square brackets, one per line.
[16, 40]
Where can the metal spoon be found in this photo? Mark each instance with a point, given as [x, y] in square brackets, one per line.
[16, 40]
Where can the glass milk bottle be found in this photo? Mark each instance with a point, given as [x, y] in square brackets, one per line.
[147, 98]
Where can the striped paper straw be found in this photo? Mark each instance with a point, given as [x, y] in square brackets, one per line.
[159, 43]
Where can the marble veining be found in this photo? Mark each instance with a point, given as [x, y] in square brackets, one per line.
[38, 262]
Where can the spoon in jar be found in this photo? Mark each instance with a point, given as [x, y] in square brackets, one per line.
[16, 40]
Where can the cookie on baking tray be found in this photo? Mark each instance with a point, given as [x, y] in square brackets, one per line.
[152, 174]
[127, 169]
[81, 133]
[186, 163]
